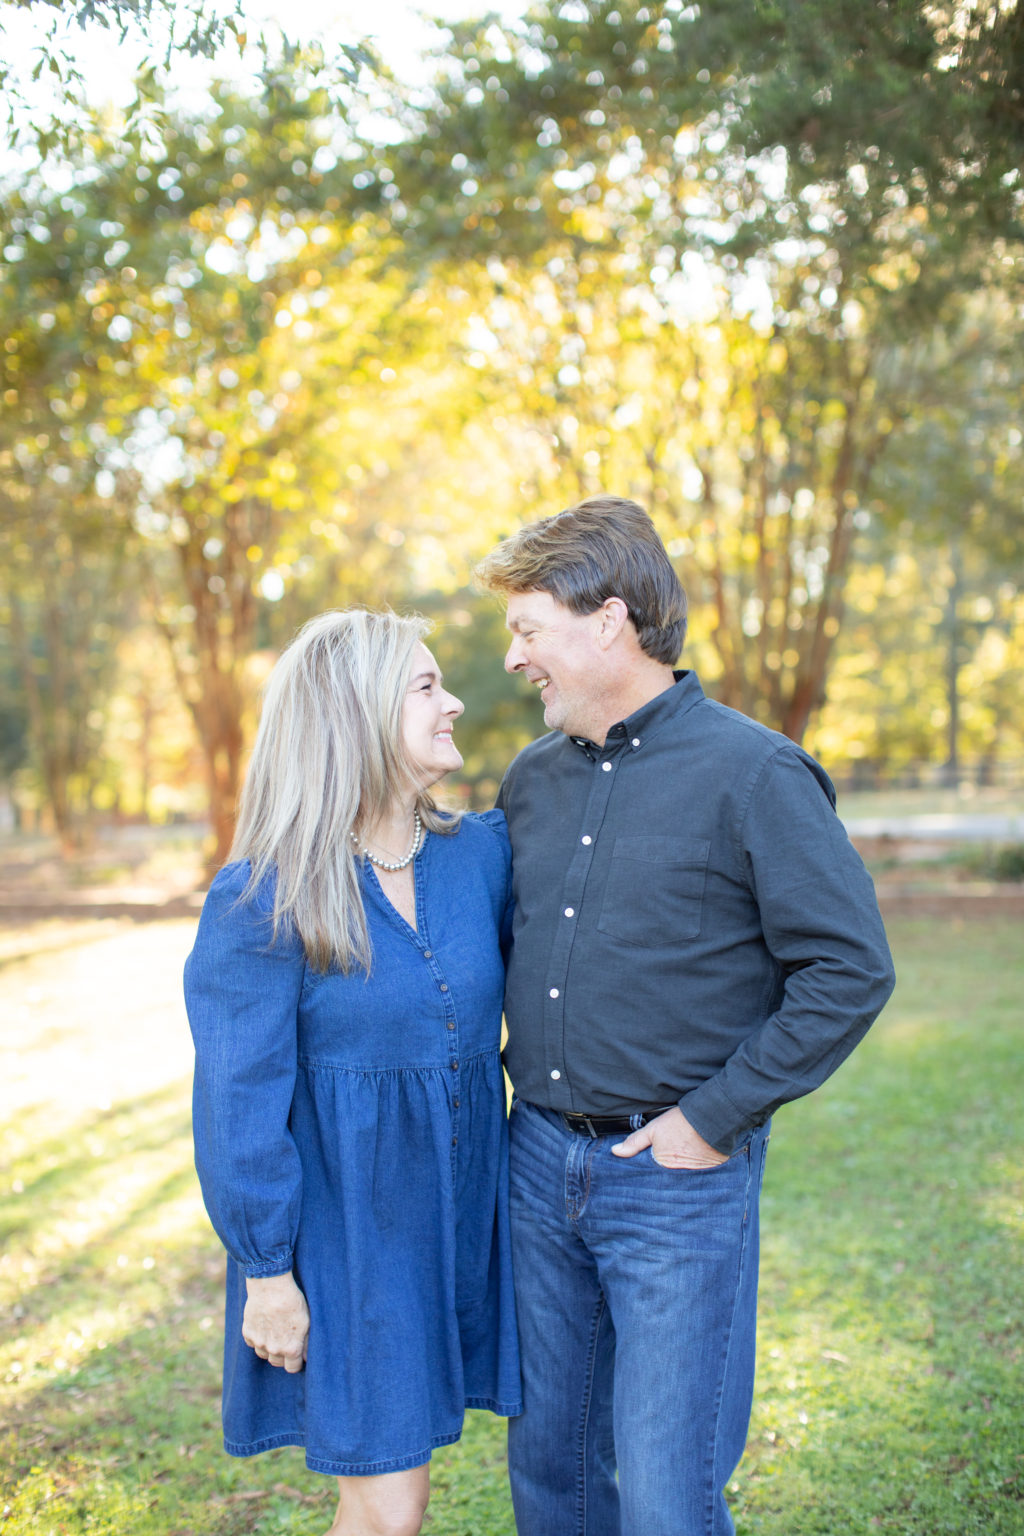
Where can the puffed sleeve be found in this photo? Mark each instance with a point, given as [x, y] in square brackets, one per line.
[242, 996]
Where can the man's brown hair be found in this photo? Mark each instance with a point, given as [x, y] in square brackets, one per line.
[603, 547]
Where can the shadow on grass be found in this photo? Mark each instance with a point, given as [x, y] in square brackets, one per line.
[73, 1165]
[110, 1353]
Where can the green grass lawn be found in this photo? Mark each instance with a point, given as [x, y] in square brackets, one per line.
[890, 1390]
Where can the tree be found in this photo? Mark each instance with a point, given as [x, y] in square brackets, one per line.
[162, 31]
[63, 601]
[64, 583]
[783, 157]
[889, 715]
[960, 456]
[754, 472]
[228, 319]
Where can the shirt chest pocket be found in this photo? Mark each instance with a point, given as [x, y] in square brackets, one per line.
[655, 889]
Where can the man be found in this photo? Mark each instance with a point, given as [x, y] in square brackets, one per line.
[695, 943]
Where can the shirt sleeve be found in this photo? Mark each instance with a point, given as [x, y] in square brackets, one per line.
[242, 995]
[821, 924]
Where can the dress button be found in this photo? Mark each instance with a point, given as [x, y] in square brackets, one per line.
[636, 741]
[455, 1066]
[455, 1141]
[444, 986]
[553, 992]
[556, 1074]
[456, 1103]
[450, 1025]
[607, 767]
[586, 841]
[428, 954]
[570, 911]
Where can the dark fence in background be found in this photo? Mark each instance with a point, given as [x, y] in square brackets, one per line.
[985, 773]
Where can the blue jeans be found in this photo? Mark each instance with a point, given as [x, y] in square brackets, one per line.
[636, 1293]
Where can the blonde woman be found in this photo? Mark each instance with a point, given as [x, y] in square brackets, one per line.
[345, 996]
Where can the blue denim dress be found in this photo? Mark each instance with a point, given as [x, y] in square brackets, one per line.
[353, 1129]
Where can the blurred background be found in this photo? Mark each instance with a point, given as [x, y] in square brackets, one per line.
[305, 305]
[295, 318]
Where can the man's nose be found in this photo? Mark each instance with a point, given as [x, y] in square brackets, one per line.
[513, 659]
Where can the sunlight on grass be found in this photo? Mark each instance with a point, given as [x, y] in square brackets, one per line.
[891, 1341]
[1004, 1203]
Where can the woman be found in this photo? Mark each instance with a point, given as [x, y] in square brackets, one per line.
[345, 996]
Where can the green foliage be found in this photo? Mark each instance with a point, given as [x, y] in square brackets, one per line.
[163, 31]
[193, 401]
[915, 609]
[731, 260]
[1004, 861]
[908, 106]
[1008, 862]
[790, 164]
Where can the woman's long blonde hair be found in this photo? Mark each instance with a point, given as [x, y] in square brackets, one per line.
[329, 758]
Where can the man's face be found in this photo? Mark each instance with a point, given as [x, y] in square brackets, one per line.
[557, 650]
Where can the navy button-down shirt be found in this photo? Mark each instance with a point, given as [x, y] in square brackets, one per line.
[692, 924]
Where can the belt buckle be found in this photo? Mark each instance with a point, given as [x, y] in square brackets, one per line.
[577, 1122]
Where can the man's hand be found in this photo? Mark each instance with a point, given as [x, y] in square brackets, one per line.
[275, 1322]
[673, 1142]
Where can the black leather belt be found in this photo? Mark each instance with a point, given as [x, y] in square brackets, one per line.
[612, 1125]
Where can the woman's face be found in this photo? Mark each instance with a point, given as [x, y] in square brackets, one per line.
[428, 715]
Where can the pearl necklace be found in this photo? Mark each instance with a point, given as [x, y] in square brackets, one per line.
[417, 838]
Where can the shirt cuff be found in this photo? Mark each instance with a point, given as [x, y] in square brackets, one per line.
[714, 1116]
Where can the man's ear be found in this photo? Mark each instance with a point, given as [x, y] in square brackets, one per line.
[614, 618]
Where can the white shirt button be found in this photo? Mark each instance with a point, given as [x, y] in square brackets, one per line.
[586, 841]
[556, 1074]
[553, 992]
[636, 741]
[607, 767]
[570, 911]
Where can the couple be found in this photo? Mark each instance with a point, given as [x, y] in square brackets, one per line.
[691, 942]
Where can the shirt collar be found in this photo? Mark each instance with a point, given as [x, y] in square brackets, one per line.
[638, 727]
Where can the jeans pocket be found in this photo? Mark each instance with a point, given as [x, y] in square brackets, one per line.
[741, 1155]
